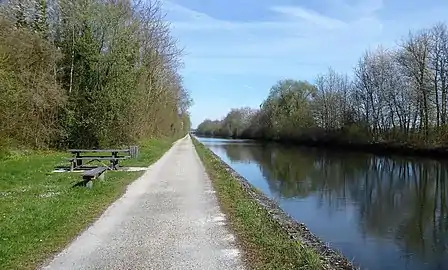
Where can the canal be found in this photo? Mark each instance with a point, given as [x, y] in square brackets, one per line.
[380, 212]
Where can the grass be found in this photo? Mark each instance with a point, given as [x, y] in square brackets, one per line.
[265, 244]
[149, 151]
[39, 210]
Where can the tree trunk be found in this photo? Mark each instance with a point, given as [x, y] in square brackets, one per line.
[73, 60]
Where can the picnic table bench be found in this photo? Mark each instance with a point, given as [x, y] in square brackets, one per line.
[90, 175]
[90, 155]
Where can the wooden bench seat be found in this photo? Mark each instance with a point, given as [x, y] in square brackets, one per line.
[94, 173]
[90, 175]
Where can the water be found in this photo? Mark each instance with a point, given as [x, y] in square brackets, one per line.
[380, 212]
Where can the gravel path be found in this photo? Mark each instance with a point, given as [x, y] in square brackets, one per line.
[167, 219]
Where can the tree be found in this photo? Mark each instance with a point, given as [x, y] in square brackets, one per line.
[414, 58]
[288, 107]
[114, 63]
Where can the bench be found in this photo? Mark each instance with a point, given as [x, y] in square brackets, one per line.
[88, 176]
[94, 173]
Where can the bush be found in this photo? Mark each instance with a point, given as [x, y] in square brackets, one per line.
[30, 93]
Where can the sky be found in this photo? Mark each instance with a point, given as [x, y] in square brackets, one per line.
[235, 50]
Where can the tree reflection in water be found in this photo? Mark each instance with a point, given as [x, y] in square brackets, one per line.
[404, 199]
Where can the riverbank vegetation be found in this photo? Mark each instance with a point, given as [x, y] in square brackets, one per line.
[265, 244]
[395, 97]
[88, 74]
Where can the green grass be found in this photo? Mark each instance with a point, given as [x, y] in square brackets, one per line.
[39, 210]
[265, 244]
[149, 151]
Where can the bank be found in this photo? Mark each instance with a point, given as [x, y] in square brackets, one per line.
[269, 237]
[40, 212]
[378, 148]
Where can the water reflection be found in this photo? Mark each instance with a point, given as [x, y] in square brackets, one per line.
[395, 208]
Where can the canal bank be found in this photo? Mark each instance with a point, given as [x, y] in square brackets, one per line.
[377, 148]
[379, 212]
[271, 238]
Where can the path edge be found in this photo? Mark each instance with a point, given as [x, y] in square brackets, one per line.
[47, 262]
[296, 231]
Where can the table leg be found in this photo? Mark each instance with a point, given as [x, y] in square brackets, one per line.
[78, 161]
[114, 160]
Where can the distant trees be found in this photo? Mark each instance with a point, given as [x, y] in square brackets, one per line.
[393, 96]
[88, 73]
[211, 128]
[232, 125]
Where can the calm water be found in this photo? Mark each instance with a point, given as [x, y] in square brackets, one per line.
[383, 213]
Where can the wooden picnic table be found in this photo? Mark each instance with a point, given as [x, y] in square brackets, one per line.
[90, 155]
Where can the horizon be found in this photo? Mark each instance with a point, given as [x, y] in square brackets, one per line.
[233, 56]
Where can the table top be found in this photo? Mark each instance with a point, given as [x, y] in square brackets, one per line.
[97, 150]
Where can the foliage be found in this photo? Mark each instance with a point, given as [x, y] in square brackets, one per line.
[31, 97]
[149, 151]
[394, 96]
[88, 74]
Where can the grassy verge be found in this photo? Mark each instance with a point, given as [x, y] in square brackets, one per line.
[265, 244]
[39, 211]
[149, 151]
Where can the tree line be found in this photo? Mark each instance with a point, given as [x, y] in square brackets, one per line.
[394, 96]
[88, 73]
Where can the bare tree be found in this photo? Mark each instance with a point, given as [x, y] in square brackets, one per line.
[414, 59]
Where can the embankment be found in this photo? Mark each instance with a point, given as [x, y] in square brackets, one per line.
[270, 238]
[379, 148]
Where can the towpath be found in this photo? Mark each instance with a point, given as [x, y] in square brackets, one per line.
[168, 219]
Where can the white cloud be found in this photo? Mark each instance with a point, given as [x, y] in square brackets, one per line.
[357, 8]
[367, 6]
[300, 38]
[310, 16]
[188, 19]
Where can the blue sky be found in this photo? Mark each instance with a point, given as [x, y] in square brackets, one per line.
[237, 49]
